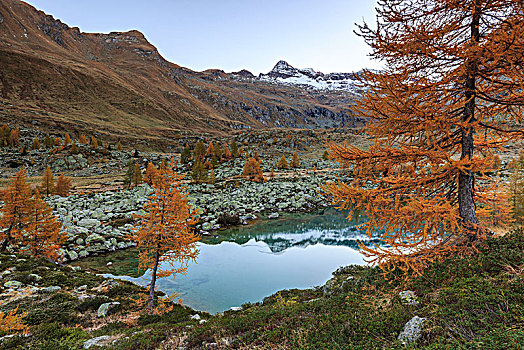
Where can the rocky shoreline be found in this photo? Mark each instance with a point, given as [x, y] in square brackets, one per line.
[98, 223]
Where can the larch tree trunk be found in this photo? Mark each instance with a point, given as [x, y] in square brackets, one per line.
[7, 239]
[150, 302]
[466, 178]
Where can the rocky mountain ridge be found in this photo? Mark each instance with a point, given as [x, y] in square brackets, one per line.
[284, 73]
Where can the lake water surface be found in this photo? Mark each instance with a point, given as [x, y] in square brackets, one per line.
[248, 263]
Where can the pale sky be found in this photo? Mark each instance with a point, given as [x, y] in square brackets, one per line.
[233, 34]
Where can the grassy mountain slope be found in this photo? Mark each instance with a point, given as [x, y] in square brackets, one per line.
[119, 84]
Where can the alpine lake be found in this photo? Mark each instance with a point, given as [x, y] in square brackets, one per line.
[248, 263]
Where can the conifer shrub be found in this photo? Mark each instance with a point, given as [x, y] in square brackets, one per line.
[282, 163]
[199, 172]
[36, 144]
[63, 185]
[295, 162]
[185, 156]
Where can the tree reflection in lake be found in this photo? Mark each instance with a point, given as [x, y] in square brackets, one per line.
[246, 264]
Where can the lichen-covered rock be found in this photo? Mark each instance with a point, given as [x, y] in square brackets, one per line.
[412, 330]
[273, 216]
[98, 341]
[88, 223]
[33, 277]
[107, 309]
[328, 287]
[13, 284]
[72, 255]
[408, 297]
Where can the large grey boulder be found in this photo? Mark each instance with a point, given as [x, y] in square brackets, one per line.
[98, 341]
[94, 238]
[72, 255]
[89, 223]
[107, 309]
[412, 330]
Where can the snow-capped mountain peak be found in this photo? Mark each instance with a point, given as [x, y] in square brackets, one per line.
[284, 73]
[282, 68]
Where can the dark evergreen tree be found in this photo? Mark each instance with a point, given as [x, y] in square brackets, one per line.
[185, 156]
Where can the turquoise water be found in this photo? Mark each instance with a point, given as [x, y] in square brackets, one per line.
[248, 263]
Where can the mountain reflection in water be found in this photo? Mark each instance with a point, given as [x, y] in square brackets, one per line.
[246, 264]
[329, 227]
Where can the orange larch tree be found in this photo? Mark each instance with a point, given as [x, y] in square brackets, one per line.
[36, 144]
[74, 148]
[42, 237]
[5, 133]
[295, 162]
[252, 170]
[11, 321]
[199, 172]
[151, 174]
[48, 183]
[16, 210]
[199, 151]
[14, 137]
[28, 224]
[241, 152]
[210, 150]
[63, 185]
[282, 163]
[227, 153]
[165, 233]
[450, 94]
[94, 143]
[137, 175]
